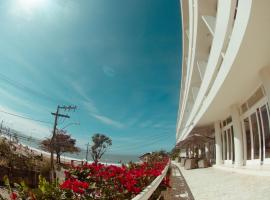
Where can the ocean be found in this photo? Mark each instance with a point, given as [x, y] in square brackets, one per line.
[106, 158]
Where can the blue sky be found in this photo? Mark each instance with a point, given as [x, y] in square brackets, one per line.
[118, 61]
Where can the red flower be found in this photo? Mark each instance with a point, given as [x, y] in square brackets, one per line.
[111, 180]
[75, 185]
[13, 196]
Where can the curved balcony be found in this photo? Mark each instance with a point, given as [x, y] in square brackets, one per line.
[222, 29]
[228, 31]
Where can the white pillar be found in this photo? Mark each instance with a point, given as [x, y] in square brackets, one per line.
[265, 77]
[218, 143]
[238, 136]
[199, 152]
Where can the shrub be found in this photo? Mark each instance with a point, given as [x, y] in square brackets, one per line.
[96, 181]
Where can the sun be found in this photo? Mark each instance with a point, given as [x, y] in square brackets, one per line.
[29, 5]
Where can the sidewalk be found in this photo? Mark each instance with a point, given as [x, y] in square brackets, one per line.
[212, 184]
[179, 189]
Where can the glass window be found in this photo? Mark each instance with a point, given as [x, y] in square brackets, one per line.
[229, 144]
[255, 97]
[260, 132]
[225, 146]
[255, 131]
[266, 129]
[248, 138]
[233, 154]
[222, 146]
[229, 120]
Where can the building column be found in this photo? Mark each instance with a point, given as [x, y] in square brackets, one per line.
[238, 136]
[218, 143]
[265, 77]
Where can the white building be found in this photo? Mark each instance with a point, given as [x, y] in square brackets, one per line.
[226, 77]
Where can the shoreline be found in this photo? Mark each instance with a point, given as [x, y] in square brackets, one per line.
[24, 148]
[69, 159]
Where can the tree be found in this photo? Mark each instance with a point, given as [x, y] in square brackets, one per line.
[157, 155]
[100, 144]
[62, 143]
[175, 153]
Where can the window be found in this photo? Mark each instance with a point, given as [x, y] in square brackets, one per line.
[248, 138]
[266, 128]
[256, 139]
[255, 97]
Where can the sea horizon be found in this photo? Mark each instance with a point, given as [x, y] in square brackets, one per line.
[109, 158]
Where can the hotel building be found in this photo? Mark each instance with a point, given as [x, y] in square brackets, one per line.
[225, 85]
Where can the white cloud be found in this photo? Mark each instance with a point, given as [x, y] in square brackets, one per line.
[11, 53]
[89, 105]
[87, 101]
[9, 97]
[108, 71]
[79, 89]
[26, 126]
[108, 121]
[146, 124]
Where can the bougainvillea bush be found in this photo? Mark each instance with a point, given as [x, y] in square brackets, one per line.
[98, 181]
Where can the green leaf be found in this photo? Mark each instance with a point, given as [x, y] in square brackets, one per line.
[6, 182]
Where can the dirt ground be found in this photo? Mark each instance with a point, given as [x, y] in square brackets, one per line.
[179, 189]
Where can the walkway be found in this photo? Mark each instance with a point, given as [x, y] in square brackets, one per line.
[213, 184]
[179, 189]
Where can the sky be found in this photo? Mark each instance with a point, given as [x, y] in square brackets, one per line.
[117, 61]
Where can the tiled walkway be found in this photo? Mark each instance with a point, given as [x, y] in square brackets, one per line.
[213, 184]
[179, 189]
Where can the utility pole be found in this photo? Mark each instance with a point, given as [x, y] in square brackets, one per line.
[9, 134]
[86, 157]
[1, 127]
[57, 115]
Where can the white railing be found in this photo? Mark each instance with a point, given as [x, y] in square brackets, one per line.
[150, 189]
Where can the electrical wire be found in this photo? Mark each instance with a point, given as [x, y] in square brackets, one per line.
[28, 118]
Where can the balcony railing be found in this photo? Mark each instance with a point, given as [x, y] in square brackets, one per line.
[149, 190]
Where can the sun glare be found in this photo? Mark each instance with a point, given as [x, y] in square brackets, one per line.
[30, 5]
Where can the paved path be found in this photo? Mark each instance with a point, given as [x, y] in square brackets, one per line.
[179, 189]
[217, 184]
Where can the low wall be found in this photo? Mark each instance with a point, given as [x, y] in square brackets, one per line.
[30, 177]
[149, 190]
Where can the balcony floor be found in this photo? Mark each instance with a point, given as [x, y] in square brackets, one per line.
[213, 183]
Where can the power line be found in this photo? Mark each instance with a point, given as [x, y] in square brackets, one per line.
[28, 118]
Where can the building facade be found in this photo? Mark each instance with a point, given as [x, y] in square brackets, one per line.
[226, 77]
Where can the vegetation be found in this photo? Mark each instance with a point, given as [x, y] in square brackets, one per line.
[11, 159]
[62, 143]
[94, 181]
[175, 153]
[100, 144]
[89, 181]
[44, 191]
